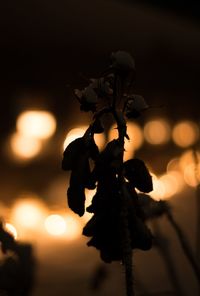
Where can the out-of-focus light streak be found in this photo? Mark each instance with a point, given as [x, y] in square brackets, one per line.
[157, 132]
[39, 124]
[185, 133]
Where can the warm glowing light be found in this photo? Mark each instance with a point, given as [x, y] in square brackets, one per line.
[11, 229]
[172, 182]
[185, 133]
[79, 132]
[24, 147]
[157, 131]
[73, 228]
[192, 174]
[55, 225]
[173, 165]
[135, 134]
[28, 213]
[189, 157]
[158, 189]
[89, 196]
[39, 124]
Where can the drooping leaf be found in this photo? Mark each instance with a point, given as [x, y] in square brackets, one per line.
[138, 175]
[71, 153]
[76, 199]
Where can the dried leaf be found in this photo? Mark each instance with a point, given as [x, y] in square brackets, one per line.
[76, 199]
[138, 175]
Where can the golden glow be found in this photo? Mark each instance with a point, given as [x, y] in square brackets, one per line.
[157, 131]
[11, 229]
[38, 124]
[79, 132]
[173, 183]
[158, 189]
[135, 134]
[188, 158]
[89, 196]
[192, 174]
[28, 213]
[73, 228]
[55, 225]
[173, 165]
[167, 185]
[185, 133]
[24, 147]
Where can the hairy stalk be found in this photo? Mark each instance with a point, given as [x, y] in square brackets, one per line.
[185, 245]
[125, 233]
[126, 245]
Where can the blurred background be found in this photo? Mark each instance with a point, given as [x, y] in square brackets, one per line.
[48, 48]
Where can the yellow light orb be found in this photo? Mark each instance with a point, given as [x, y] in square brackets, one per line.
[189, 157]
[73, 227]
[157, 132]
[36, 123]
[11, 229]
[158, 192]
[173, 165]
[135, 134]
[28, 213]
[192, 174]
[172, 182]
[185, 133]
[75, 133]
[24, 147]
[55, 225]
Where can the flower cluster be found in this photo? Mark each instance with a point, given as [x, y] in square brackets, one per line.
[115, 202]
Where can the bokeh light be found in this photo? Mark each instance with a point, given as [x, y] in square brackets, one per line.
[185, 133]
[73, 227]
[11, 229]
[158, 189]
[55, 225]
[192, 174]
[157, 131]
[189, 157]
[36, 123]
[79, 132]
[24, 147]
[135, 134]
[173, 165]
[28, 213]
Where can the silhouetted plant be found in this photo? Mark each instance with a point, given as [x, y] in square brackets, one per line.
[117, 226]
[18, 267]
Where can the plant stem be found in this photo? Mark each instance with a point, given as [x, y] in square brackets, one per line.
[185, 245]
[124, 227]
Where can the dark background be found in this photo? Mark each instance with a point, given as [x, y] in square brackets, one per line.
[45, 45]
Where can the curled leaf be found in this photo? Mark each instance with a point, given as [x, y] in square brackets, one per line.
[76, 199]
[136, 172]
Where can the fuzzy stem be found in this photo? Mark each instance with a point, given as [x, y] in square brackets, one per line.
[185, 245]
[126, 245]
[125, 233]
